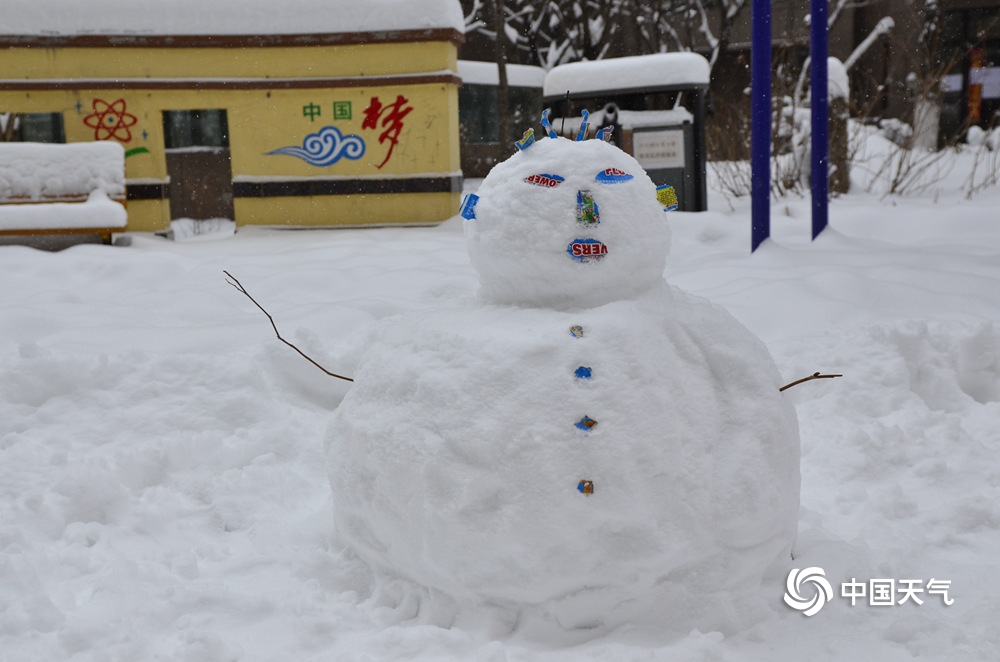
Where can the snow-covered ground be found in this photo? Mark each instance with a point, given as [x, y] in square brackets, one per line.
[163, 494]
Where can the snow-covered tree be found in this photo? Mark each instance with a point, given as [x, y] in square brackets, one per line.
[558, 31]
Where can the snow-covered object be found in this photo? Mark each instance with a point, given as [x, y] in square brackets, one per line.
[977, 137]
[523, 232]
[41, 171]
[838, 84]
[626, 119]
[74, 181]
[249, 17]
[98, 211]
[634, 72]
[882, 28]
[486, 73]
[639, 119]
[581, 443]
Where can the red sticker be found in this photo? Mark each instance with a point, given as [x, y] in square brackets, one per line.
[613, 176]
[541, 179]
[587, 250]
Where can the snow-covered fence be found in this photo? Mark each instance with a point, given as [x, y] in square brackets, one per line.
[62, 188]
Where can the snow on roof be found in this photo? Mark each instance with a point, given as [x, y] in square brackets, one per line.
[230, 17]
[628, 119]
[627, 73]
[485, 73]
[641, 119]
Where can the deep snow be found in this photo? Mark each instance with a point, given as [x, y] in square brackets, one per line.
[162, 485]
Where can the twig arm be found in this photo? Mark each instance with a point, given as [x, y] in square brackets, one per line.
[815, 375]
[231, 279]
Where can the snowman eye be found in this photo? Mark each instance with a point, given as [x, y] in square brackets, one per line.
[612, 176]
[545, 180]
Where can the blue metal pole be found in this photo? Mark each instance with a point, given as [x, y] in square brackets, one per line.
[820, 105]
[760, 122]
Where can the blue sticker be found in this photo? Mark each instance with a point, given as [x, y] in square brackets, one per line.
[586, 423]
[547, 125]
[584, 125]
[545, 180]
[587, 250]
[606, 133]
[326, 147]
[583, 372]
[612, 176]
[468, 210]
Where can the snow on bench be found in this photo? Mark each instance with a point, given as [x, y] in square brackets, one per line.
[62, 188]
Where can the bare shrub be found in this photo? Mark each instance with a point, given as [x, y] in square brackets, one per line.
[727, 138]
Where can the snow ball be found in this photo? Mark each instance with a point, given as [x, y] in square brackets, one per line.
[531, 246]
[460, 460]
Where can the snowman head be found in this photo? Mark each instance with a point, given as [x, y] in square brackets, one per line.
[567, 224]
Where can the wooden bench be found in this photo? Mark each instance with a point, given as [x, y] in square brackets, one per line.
[73, 188]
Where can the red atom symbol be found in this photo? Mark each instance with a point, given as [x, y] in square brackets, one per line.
[109, 120]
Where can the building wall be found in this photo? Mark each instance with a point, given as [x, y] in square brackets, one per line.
[323, 129]
[971, 91]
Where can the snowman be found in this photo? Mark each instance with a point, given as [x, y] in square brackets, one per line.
[580, 442]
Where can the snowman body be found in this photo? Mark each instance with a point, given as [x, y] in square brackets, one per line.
[580, 439]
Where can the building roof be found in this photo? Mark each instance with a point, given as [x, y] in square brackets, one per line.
[58, 18]
[636, 72]
[486, 73]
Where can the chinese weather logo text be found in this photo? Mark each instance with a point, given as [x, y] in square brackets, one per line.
[879, 592]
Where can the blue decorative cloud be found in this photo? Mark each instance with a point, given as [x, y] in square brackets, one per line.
[326, 147]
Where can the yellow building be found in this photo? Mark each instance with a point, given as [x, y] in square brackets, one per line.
[323, 115]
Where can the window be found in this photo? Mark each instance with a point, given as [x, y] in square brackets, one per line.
[195, 128]
[33, 127]
[478, 115]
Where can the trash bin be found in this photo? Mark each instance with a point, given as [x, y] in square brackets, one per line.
[657, 106]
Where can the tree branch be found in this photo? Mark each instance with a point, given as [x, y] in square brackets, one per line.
[231, 279]
[815, 375]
